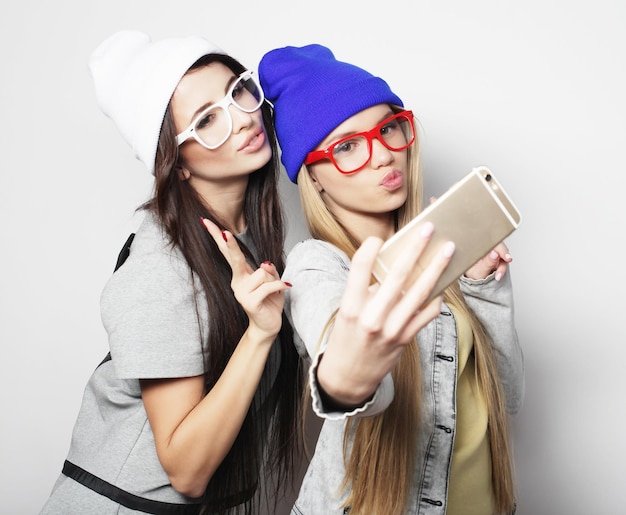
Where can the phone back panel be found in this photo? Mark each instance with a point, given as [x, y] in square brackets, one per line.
[475, 213]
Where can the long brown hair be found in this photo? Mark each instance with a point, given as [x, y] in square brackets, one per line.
[380, 451]
[179, 208]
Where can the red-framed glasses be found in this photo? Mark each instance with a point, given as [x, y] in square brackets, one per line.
[352, 153]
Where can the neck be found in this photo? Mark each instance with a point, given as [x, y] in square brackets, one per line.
[225, 199]
[361, 226]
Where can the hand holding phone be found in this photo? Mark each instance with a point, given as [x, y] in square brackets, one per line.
[475, 213]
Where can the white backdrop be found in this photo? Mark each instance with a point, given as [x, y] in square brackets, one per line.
[533, 89]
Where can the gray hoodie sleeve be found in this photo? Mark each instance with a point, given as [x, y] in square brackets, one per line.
[492, 301]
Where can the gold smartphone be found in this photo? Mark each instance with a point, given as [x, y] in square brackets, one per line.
[475, 213]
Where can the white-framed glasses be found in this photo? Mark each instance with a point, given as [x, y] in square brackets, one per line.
[213, 126]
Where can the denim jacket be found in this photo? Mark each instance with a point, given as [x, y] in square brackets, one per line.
[318, 272]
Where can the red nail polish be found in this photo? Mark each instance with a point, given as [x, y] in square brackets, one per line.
[268, 263]
[288, 284]
[224, 236]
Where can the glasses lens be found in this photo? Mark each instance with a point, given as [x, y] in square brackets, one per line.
[397, 133]
[213, 126]
[351, 154]
[247, 94]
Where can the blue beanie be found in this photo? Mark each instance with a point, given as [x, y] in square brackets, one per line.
[312, 94]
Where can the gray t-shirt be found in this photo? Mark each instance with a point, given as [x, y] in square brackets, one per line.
[156, 319]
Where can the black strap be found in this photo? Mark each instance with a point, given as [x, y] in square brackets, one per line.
[134, 502]
[106, 358]
[121, 258]
[124, 253]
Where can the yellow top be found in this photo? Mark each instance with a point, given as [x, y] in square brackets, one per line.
[470, 491]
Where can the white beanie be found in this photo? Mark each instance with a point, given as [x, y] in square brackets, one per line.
[135, 80]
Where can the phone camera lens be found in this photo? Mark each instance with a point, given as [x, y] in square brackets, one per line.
[488, 177]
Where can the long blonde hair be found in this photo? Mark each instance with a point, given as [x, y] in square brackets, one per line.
[380, 463]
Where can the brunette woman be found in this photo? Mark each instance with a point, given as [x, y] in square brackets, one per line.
[201, 391]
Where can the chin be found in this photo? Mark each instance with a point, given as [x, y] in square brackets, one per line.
[263, 156]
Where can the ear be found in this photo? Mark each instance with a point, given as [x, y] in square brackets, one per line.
[316, 183]
[183, 173]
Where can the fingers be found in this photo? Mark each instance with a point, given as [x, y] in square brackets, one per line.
[503, 252]
[245, 279]
[392, 288]
[358, 283]
[497, 260]
[229, 248]
[214, 231]
[260, 295]
[390, 306]
[259, 292]
[404, 315]
[501, 259]
[265, 280]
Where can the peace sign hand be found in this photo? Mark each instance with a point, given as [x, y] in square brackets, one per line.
[258, 291]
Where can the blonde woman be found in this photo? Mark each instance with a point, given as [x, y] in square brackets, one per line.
[416, 398]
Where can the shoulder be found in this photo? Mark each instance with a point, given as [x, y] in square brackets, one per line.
[316, 254]
[153, 262]
[152, 311]
[318, 272]
[154, 278]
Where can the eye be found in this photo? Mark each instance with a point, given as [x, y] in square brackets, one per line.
[238, 90]
[346, 146]
[205, 120]
[389, 127]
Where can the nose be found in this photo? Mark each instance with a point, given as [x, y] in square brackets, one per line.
[381, 155]
[241, 119]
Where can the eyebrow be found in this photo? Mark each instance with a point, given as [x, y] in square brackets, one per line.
[329, 141]
[206, 105]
